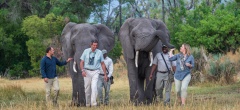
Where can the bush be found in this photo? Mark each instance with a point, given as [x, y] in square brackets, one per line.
[221, 69]
[214, 67]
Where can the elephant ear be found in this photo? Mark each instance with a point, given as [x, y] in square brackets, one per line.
[105, 37]
[124, 37]
[65, 39]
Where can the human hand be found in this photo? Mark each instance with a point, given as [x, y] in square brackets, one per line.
[69, 59]
[84, 74]
[188, 64]
[150, 77]
[105, 78]
[172, 49]
[46, 80]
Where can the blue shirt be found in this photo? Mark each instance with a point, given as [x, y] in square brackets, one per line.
[92, 60]
[181, 73]
[48, 66]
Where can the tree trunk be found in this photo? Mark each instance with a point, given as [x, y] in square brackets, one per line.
[163, 12]
[120, 13]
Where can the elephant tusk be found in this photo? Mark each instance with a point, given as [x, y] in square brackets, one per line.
[74, 67]
[136, 58]
[150, 58]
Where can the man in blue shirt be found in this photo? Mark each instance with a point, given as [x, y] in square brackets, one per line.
[91, 61]
[48, 71]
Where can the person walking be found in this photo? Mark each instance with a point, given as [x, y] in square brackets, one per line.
[91, 61]
[162, 79]
[48, 71]
[105, 84]
[182, 76]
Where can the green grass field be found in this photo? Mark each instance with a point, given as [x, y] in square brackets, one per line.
[29, 94]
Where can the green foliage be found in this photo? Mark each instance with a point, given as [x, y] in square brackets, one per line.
[40, 31]
[116, 52]
[217, 31]
[12, 46]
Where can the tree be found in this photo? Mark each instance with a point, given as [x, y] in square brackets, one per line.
[217, 28]
[40, 32]
[13, 48]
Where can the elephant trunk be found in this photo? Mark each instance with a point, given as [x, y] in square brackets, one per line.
[163, 36]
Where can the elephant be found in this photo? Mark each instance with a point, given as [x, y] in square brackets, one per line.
[75, 38]
[141, 40]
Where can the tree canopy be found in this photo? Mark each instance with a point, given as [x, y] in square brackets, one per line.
[27, 27]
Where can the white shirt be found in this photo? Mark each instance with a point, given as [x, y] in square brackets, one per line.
[109, 66]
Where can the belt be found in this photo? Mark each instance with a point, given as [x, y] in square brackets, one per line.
[90, 69]
[101, 74]
[163, 71]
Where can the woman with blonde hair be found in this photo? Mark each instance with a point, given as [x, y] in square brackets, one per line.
[182, 76]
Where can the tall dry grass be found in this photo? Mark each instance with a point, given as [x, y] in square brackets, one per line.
[28, 94]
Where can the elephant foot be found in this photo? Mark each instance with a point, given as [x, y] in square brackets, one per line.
[77, 104]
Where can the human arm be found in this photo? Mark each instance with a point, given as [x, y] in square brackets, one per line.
[104, 70]
[82, 58]
[190, 64]
[110, 68]
[68, 60]
[152, 70]
[59, 63]
[173, 57]
[42, 69]
[171, 52]
[82, 69]
[173, 63]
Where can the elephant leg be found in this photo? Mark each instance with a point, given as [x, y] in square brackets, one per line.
[133, 80]
[78, 94]
[140, 84]
[149, 89]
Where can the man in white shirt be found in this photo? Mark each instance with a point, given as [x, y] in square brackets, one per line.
[103, 84]
[92, 61]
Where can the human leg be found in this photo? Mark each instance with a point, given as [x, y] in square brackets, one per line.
[159, 87]
[48, 86]
[100, 84]
[94, 90]
[184, 87]
[56, 90]
[168, 87]
[87, 86]
[178, 89]
[107, 90]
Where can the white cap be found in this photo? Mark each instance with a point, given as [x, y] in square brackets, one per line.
[104, 51]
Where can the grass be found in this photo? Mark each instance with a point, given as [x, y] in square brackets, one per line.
[29, 94]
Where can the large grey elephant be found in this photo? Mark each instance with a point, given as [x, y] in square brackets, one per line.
[75, 39]
[141, 40]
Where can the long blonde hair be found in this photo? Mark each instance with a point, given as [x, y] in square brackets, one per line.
[187, 48]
